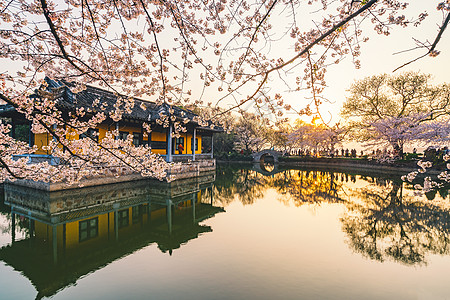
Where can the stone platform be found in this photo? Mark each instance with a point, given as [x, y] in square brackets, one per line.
[177, 171]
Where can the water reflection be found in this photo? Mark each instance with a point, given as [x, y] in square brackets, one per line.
[72, 233]
[383, 223]
[383, 219]
[303, 186]
[58, 237]
[243, 184]
[308, 186]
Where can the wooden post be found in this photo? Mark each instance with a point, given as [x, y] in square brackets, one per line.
[31, 231]
[30, 137]
[212, 145]
[169, 214]
[13, 128]
[169, 144]
[194, 143]
[55, 127]
[149, 136]
[31, 228]
[13, 227]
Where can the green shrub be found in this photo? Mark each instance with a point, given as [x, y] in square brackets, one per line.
[412, 156]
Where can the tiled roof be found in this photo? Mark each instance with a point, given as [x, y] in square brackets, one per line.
[87, 97]
[142, 110]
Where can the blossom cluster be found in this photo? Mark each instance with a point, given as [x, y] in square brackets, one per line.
[428, 184]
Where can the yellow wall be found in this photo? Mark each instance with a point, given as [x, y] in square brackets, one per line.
[189, 142]
[131, 130]
[102, 129]
[44, 232]
[71, 135]
[41, 140]
[73, 230]
[160, 137]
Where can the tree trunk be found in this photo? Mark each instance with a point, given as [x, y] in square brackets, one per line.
[398, 149]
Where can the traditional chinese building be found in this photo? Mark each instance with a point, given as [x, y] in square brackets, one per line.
[194, 144]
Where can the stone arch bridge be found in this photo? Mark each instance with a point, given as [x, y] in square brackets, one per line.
[258, 156]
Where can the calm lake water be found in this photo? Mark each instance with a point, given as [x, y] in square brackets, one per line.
[245, 233]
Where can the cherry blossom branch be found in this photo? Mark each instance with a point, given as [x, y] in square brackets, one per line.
[180, 25]
[58, 138]
[431, 51]
[46, 12]
[8, 169]
[301, 53]
[64, 53]
[96, 33]
[161, 58]
[255, 32]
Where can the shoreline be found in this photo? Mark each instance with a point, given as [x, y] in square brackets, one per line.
[344, 164]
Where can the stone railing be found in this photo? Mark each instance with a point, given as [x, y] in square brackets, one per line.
[37, 158]
[189, 157]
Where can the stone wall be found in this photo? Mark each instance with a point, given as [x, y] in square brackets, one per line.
[191, 169]
[76, 203]
[176, 171]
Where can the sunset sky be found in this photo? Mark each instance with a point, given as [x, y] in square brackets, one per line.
[378, 57]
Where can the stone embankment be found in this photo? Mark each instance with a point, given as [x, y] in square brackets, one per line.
[177, 171]
[353, 164]
[349, 164]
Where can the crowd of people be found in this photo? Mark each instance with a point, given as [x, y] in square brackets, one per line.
[353, 153]
[432, 153]
[324, 153]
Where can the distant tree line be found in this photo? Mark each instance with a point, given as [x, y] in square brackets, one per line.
[384, 113]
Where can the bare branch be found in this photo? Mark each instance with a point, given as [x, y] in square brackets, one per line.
[431, 50]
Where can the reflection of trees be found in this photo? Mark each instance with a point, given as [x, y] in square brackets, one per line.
[382, 224]
[22, 224]
[244, 184]
[307, 186]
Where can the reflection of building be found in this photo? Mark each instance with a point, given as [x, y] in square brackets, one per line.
[75, 232]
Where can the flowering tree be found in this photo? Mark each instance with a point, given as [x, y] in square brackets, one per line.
[251, 132]
[406, 129]
[277, 138]
[398, 109]
[315, 137]
[175, 52]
